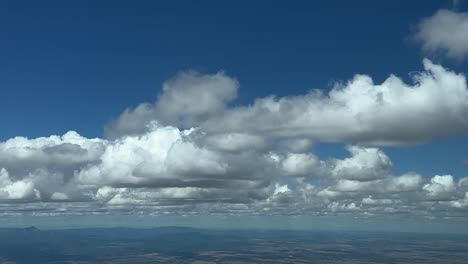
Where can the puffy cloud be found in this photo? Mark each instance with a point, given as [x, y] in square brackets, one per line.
[191, 152]
[364, 164]
[391, 113]
[168, 157]
[190, 98]
[463, 183]
[186, 100]
[170, 170]
[164, 159]
[16, 190]
[281, 195]
[461, 203]
[38, 168]
[440, 186]
[446, 32]
[403, 183]
[300, 164]
[21, 156]
[360, 111]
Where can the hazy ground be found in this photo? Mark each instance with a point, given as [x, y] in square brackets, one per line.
[187, 245]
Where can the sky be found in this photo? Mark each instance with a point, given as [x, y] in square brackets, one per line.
[319, 114]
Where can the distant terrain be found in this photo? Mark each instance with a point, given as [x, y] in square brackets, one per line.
[188, 245]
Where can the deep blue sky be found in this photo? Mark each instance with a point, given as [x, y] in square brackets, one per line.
[75, 65]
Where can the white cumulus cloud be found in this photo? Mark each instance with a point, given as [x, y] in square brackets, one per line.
[193, 151]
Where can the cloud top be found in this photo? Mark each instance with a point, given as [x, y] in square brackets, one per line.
[357, 112]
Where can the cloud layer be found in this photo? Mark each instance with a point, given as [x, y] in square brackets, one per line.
[191, 152]
[165, 170]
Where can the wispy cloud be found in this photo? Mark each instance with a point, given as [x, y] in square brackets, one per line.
[445, 32]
